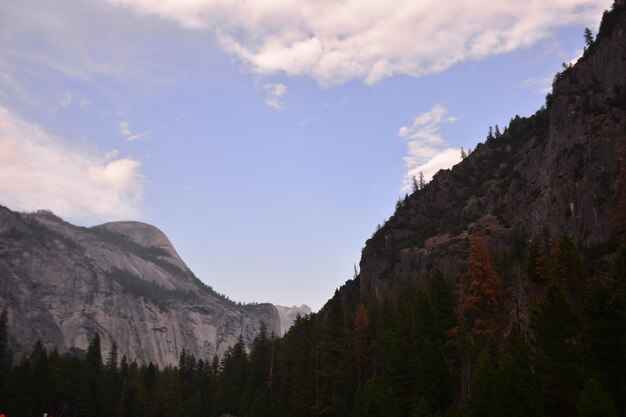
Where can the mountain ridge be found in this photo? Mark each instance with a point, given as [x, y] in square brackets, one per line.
[123, 280]
[560, 167]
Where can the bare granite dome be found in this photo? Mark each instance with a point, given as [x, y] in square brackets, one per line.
[62, 283]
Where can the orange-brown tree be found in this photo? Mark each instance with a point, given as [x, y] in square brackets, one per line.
[481, 292]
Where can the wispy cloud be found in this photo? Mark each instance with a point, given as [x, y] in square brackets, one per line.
[193, 193]
[541, 85]
[124, 130]
[274, 94]
[42, 171]
[427, 150]
[66, 100]
[334, 42]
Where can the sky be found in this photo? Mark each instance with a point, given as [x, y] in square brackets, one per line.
[267, 139]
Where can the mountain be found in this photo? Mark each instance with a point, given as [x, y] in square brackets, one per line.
[562, 168]
[124, 280]
[288, 315]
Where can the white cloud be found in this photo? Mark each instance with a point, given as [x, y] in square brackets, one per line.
[577, 55]
[124, 130]
[274, 93]
[66, 100]
[336, 41]
[427, 150]
[541, 85]
[84, 102]
[42, 171]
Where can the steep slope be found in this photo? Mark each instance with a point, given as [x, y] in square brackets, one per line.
[289, 314]
[124, 280]
[560, 167]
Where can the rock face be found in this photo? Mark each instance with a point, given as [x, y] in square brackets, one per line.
[62, 284]
[565, 167]
[288, 315]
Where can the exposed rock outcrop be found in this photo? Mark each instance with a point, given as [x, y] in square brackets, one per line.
[63, 283]
[563, 167]
[289, 314]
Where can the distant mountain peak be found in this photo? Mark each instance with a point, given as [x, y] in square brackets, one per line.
[288, 315]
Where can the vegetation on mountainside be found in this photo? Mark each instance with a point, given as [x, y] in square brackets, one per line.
[432, 350]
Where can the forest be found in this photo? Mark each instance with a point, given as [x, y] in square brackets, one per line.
[535, 330]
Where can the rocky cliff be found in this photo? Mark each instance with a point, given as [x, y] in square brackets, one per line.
[562, 167]
[289, 314]
[124, 280]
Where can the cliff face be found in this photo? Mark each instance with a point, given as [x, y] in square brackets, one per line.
[561, 167]
[62, 284]
[289, 314]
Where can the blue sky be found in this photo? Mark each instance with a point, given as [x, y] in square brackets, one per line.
[266, 139]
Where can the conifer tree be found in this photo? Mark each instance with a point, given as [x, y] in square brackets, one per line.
[421, 182]
[481, 292]
[485, 379]
[556, 332]
[360, 333]
[588, 37]
[570, 268]
[333, 362]
[5, 356]
[594, 402]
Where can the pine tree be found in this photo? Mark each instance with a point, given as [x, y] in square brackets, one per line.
[532, 257]
[588, 38]
[517, 393]
[594, 402]
[603, 321]
[90, 399]
[40, 377]
[556, 332]
[333, 363]
[421, 182]
[484, 383]
[570, 268]
[481, 292]
[5, 355]
[360, 335]
[442, 297]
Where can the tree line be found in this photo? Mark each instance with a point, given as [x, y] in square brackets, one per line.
[537, 331]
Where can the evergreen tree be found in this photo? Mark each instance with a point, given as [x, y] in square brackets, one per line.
[517, 393]
[333, 362]
[360, 335]
[594, 402]
[556, 332]
[485, 379]
[570, 268]
[233, 376]
[421, 182]
[40, 377]
[5, 356]
[588, 38]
